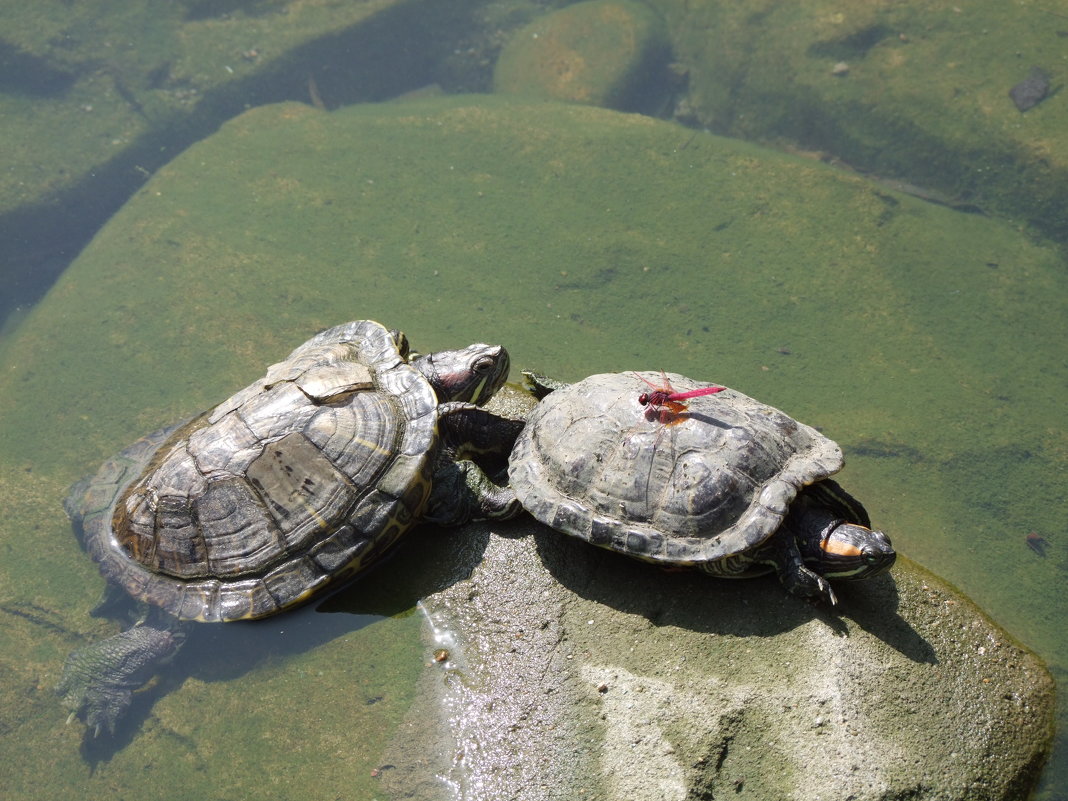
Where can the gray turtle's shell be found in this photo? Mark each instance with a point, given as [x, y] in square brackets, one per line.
[293, 483]
[716, 483]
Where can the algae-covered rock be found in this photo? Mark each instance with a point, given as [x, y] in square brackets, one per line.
[603, 52]
[95, 96]
[82, 84]
[584, 240]
[915, 91]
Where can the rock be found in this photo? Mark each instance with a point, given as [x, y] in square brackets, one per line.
[1032, 90]
[574, 673]
[602, 52]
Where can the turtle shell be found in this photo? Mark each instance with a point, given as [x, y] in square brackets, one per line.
[295, 482]
[715, 482]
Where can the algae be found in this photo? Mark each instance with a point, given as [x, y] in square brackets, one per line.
[609, 53]
[924, 95]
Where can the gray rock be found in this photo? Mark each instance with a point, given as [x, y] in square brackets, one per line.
[1032, 90]
[573, 673]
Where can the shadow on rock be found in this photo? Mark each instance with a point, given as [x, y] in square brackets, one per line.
[875, 606]
[756, 607]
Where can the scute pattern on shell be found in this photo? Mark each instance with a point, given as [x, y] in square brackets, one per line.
[717, 483]
[292, 483]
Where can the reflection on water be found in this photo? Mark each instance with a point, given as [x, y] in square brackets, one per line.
[455, 700]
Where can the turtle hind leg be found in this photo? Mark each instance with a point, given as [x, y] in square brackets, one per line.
[99, 680]
[541, 385]
[462, 492]
[462, 489]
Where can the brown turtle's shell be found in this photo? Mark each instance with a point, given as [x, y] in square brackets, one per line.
[295, 482]
[713, 485]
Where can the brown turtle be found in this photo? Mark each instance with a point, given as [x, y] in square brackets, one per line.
[290, 486]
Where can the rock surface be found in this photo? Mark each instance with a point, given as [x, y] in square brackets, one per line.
[95, 98]
[575, 673]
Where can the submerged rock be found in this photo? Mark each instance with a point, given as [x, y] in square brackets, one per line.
[601, 52]
[1032, 90]
[923, 101]
[574, 673]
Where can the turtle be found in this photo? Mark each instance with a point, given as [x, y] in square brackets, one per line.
[722, 483]
[287, 488]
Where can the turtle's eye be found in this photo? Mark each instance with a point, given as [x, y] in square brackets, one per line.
[871, 556]
[483, 364]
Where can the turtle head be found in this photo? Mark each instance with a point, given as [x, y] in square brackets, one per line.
[471, 374]
[850, 551]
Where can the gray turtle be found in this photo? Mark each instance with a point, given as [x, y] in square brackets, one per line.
[693, 475]
[290, 486]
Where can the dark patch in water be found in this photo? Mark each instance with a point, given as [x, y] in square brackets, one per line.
[23, 73]
[854, 46]
[1037, 543]
[879, 449]
[1032, 90]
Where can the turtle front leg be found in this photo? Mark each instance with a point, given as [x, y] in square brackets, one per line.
[783, 553]
[99, 680]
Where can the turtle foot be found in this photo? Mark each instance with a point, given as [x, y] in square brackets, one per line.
[463, 492]
[98, 680]
[806, 584]
[540, 384]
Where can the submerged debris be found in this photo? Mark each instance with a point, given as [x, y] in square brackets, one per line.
[1037, 543]
[1032, 90]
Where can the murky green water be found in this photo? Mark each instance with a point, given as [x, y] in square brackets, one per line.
[928, 342]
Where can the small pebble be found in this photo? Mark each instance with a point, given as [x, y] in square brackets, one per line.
[1032, 90]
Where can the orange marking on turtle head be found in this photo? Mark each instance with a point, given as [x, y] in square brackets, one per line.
[840, 548]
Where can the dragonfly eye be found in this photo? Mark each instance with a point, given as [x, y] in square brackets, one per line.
[643, 399]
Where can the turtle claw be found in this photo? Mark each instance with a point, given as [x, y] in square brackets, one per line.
[99, 680]
[828, 593]
[808, 584]
[100, 704]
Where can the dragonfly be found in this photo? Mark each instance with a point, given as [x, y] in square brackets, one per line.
[663, 403]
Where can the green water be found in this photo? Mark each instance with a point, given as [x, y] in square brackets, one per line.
[928, 342]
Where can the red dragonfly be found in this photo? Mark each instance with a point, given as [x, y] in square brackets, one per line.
[665, 404]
